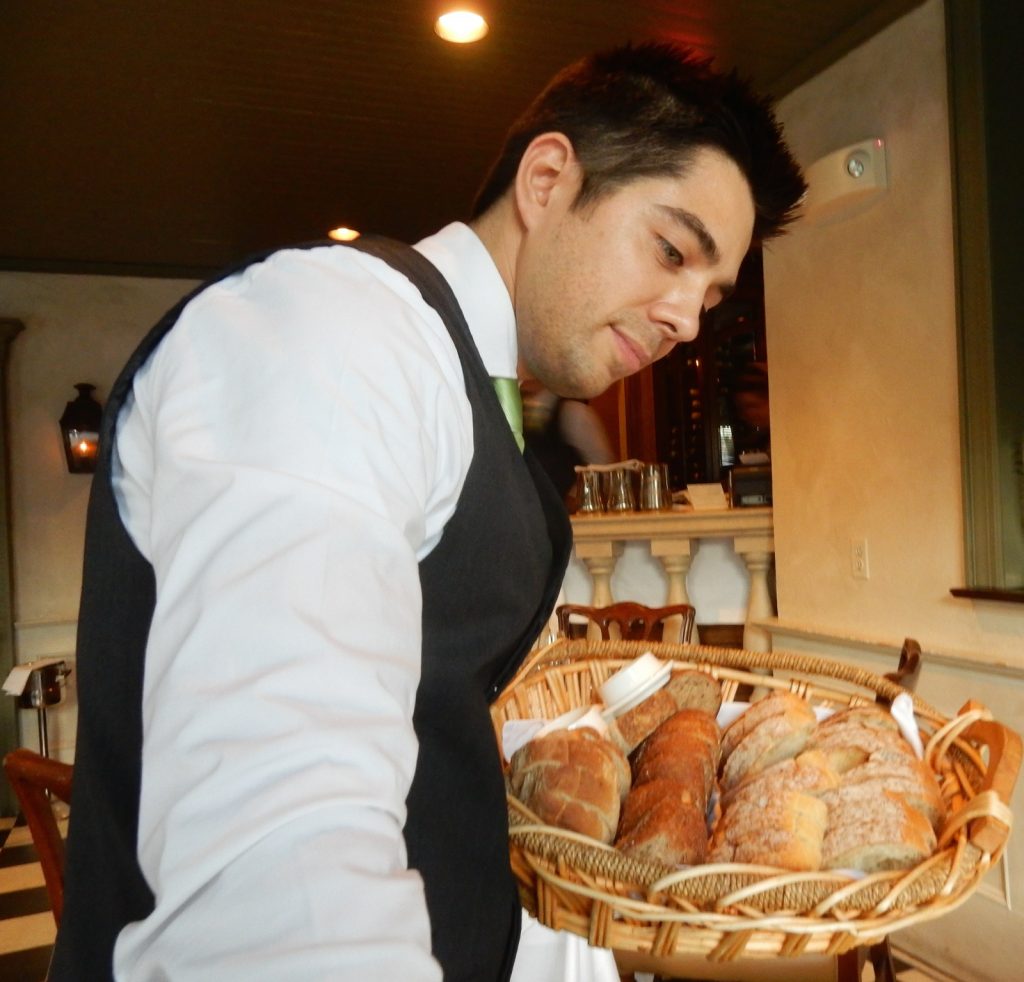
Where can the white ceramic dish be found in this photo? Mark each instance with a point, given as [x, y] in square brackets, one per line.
[576, 719]
[628, 680]
[639, 694]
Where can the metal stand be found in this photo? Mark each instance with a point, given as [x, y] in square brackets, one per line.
[45, 687]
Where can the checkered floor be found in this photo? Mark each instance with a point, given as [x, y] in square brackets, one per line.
[27, 929]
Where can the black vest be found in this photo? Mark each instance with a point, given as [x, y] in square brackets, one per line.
[488, 587]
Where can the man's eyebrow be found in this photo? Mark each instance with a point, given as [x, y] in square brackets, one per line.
[692, 223]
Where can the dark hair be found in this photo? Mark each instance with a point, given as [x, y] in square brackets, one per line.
[644, 111]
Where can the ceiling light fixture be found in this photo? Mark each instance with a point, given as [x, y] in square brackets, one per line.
[462, 26]
[343, 234]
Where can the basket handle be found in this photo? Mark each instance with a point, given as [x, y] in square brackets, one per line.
[1004, 747]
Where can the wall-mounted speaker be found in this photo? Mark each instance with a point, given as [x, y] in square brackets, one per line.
[852, 176]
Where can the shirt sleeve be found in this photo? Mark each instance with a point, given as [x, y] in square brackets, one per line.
[294, 448]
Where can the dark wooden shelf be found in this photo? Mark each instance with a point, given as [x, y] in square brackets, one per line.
[1015, 596]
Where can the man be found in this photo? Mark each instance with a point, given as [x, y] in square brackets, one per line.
[315, 551]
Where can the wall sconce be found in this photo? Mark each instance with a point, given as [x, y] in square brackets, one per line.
[80, 430]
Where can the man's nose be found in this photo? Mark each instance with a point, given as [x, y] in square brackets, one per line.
[679, 315]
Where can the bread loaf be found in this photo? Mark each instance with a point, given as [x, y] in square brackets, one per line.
[809, 772]
[771, 705]
[671, 830]
[574, 779]
[685, 690]
[684, 749]
[780, 730]
[784, 830]
[872, 716]
[849, 743]
[873, 830]
[910, 778]
[664, 819]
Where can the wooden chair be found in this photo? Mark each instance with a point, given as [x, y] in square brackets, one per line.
[34, 778]
[632, 621]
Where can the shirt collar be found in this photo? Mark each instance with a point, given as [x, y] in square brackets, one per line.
[466, 264]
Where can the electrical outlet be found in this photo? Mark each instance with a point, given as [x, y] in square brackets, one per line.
[859, 559]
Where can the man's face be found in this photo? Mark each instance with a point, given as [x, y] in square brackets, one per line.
[604, 291]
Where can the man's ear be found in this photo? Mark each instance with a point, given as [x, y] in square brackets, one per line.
[548, 173]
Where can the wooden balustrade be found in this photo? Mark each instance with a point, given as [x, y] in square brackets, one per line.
[599, 540]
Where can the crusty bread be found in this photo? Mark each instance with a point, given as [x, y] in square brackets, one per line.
[685, 690]
[696, 690]
[773, 704]
[785, 831]
[774, 738]
[688, 765]
[809, 772]
[906, 776]
[574, 779]
[850, 743]
[872, 716]
[873, 830]
[643, 797]
[685, 748]
[692, 724]
[670, 830]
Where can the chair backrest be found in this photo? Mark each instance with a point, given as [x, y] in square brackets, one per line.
[32, 776]
[635, 622]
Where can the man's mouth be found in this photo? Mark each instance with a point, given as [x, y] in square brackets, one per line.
[631, 355]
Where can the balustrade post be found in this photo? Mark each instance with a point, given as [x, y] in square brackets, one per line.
[675, 557]
[757, 552]
[600, 559]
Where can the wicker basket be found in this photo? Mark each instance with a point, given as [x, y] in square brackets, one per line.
[725, 911]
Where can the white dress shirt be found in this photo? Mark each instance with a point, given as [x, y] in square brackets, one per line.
[292, 450]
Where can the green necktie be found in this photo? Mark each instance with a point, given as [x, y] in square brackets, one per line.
[507, 391]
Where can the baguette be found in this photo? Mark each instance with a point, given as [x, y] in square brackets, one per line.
[670, 829]
[684, 749]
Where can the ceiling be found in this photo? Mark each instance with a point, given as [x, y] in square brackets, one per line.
[167, 137]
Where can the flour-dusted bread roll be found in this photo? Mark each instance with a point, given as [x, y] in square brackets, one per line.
[685, 690]
[779, 728]
[661, 823]
[872, 716]
[785, 830]
[809, 772]
[904, 775]
[849, 742]
[873, 830]
[771, 705]
[573, 779]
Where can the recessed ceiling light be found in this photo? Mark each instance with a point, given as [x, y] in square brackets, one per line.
[460, 26]
[343, 234]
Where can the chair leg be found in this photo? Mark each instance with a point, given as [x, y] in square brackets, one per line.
[881, 960]
[850, 965]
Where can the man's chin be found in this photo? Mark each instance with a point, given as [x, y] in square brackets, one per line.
[583, 391]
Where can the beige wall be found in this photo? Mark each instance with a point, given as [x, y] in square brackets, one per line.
[863, 360]
[77, 329]
[865, 432]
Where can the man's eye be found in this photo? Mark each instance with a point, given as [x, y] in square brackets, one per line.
[672, 255]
